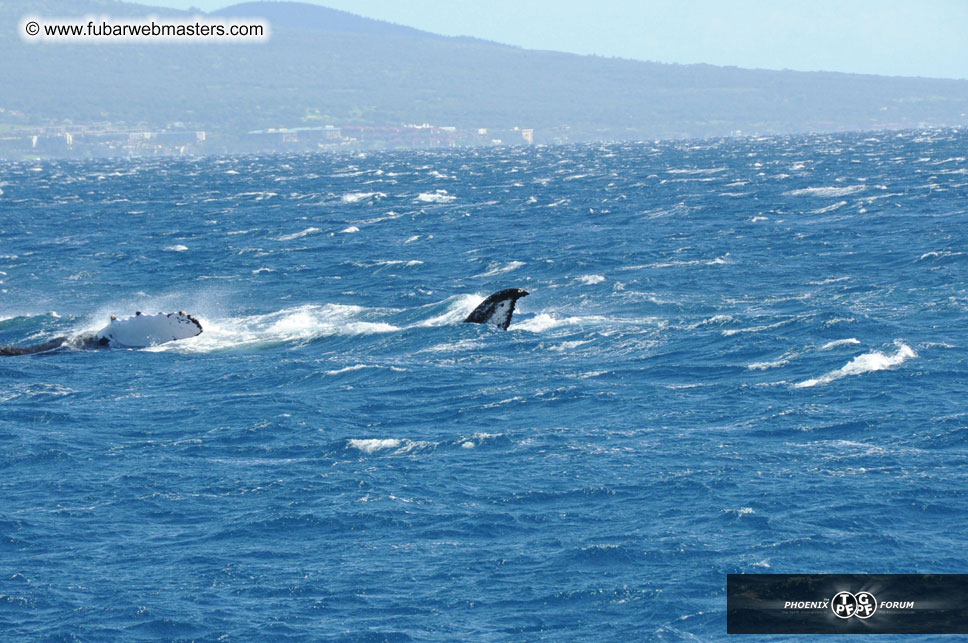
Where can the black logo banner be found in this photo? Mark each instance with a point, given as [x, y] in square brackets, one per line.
[847, 603]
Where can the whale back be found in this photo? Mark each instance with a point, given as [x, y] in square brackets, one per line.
[148, 330]
[497, 309]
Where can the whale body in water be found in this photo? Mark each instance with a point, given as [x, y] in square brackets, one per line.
[138, 331]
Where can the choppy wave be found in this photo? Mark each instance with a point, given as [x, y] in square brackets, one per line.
[828, 192]
[866, 363]
[287, 326]
[439, 196]
[358, 197]
[299, 235]
[500, 269]
[840, 342]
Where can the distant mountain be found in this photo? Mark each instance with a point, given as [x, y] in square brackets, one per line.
[299, 15]
[323, 66]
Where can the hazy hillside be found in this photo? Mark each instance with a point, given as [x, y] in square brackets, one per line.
[324, 66]
[300, 15]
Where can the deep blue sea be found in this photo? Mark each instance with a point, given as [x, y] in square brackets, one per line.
[740, 355]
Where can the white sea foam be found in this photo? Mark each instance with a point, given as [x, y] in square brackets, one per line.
[755, 329]
[477, 439]
[453, 347]
[371, 445]
[298, 235]
[401, 446]
[360, 367]
[291, 325]
[762, 366]
[942, 253]
[545, 321]
[259, 196]
[356, 197]
[827, 191]
[742, 511]
[177, 248]
[715, 320]
[457, 310]
[349, 230]
[567, 346]
[830, 208]
[712, 170]
[866, 363]
[718, 261]
[590, 280]
[838, 343]
[392, 262]
[830, 280]
[349, 369]
[499, 269]
[438, 196]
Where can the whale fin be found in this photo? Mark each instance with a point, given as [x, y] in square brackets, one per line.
[148, 330]
[497, 309]
[9, 351]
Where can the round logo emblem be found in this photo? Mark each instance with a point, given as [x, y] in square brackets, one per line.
[844, 605]
[866, 604]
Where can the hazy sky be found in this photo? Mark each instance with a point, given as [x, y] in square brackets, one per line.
[889, 37]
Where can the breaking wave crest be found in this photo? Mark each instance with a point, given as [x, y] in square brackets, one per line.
[291, 325]
[866, 363]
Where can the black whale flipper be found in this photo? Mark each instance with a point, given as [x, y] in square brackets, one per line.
[497, 309]
[9, 351]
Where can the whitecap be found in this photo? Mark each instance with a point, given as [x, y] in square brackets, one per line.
[356, 197]
[712, 170]
[755, 329]
[827, 191]
[590, 280]
[498, 269]
[459, 308]
[838, 343]
[479, 438]
[177, 248]
[298, 235]
[291, 325]
[371, 445]
[829, 280]
[544, 321]
[866, 363]
[762, 366]
[360, 367]
[567, 346]
[718, 261]
[829, 208]
[440, 196]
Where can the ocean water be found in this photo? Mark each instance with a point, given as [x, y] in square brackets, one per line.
[741, 355]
